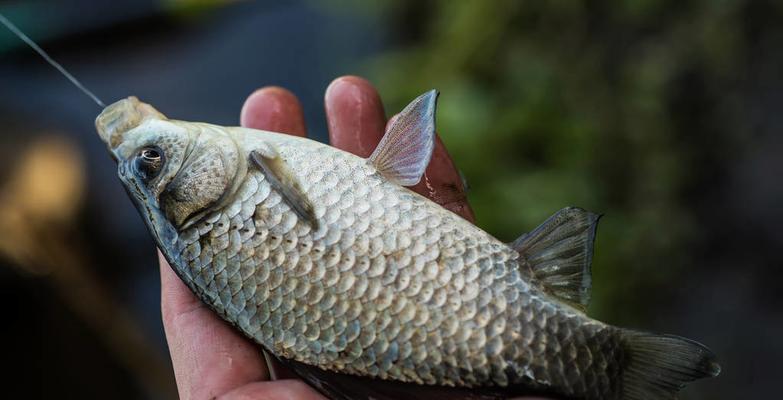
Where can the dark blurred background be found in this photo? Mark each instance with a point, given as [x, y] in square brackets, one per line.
[663, 115]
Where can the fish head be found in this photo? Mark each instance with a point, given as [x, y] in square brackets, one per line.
[174, 171]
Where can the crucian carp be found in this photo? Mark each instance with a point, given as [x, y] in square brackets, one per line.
[365, 288]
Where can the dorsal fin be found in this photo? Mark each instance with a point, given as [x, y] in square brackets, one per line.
[284, 182]
[406, 147]
[335, 385]
[559, 253]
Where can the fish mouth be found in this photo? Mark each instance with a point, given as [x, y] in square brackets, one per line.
[120, 117]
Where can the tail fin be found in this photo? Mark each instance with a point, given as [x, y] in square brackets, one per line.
[658, 366]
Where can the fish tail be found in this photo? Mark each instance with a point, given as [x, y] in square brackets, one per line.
[656, 367]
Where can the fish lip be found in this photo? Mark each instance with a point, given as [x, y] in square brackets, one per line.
[120, 117]
[114, 157]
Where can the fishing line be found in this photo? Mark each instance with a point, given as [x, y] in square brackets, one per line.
[48, 59]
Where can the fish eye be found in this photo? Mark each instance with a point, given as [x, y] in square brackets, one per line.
[148, 162]
[150, 154]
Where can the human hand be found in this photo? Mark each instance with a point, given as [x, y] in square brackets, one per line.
[210, 358]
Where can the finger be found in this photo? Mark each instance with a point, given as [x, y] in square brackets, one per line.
[287, 389]
[442, 183]
[354, 114]
[208, 356]
[273, 109]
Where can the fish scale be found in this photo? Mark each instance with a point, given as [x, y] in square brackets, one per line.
[458, 271]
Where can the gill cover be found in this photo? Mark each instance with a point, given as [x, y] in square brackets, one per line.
[207, 178]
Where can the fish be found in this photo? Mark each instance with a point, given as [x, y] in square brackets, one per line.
[367, 289]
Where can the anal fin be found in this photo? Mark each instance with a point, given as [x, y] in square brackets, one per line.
[559, 253]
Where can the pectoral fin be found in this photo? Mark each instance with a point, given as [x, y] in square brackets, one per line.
[405, 150]
[285, 183]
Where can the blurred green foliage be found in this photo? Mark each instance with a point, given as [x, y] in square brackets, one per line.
[547, 104]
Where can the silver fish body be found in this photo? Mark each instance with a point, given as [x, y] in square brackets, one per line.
[390, 285]
[322, 259]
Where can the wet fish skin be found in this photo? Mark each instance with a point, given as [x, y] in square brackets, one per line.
[382, 283]
[442, 299]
